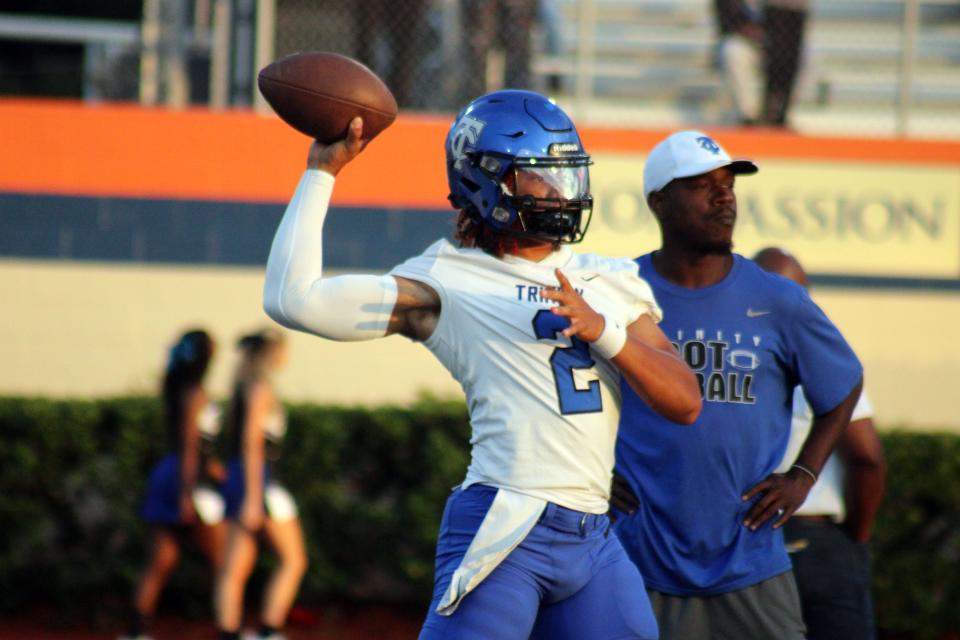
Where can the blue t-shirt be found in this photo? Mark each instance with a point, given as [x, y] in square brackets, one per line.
[750, 339]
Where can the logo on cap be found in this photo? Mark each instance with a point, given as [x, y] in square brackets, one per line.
[709, 145]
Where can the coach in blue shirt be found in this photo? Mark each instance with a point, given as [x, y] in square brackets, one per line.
[701, 506]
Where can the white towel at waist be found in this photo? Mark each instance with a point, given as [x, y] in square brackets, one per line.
[508, 521]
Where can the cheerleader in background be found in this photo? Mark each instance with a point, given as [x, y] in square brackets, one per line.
[257, 505]
[183, 502]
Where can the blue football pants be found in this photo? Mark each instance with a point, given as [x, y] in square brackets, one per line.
[569, 578]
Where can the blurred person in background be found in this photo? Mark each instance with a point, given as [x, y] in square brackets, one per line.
[399, 26]
[784, 24]
[738, 55]
[183, 501]
[257, 504]
[760, 51]
[506, 25]
[827, 536]
[700, 509]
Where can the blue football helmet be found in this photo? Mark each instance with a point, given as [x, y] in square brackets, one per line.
[516, 164]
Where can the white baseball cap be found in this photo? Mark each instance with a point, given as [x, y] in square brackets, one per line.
[685, 154]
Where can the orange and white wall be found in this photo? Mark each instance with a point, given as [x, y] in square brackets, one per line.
[877, 221]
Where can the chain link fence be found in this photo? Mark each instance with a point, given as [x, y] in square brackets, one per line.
[846, 66]
[868, 67]
[434, 55]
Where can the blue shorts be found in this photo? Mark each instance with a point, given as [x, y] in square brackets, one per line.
[235, 489]
[569, 578]
[162, 502]
[161, 505]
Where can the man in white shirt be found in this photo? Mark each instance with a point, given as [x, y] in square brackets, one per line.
[827, 536]
[523, 549]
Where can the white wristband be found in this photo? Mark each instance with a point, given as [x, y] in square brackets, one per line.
[611, 341]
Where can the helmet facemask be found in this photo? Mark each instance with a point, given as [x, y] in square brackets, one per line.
[544, 199]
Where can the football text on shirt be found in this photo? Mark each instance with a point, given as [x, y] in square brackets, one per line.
[723, 369]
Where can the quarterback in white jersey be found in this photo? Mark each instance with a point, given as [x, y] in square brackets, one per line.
[497, 336]
[539, 337]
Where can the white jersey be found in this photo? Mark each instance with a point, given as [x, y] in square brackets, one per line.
[543, 408]
[826, 496]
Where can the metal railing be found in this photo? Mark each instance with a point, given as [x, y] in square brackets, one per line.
[172, 37]
[590, 54]
[100, 40]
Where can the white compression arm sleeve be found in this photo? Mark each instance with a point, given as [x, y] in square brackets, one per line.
[352, 307]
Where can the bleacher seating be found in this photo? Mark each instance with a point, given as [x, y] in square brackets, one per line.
[659, 53]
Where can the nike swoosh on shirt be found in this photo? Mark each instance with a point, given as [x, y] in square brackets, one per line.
[589, 277]
[755, 314]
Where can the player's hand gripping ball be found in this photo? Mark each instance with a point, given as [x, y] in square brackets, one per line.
[319, 93]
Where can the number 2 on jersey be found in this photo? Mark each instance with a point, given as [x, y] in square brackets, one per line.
[564, 360]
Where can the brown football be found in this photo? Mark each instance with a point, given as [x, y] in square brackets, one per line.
[319, 93]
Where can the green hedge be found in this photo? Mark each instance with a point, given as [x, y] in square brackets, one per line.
[916, 544]
[371, 485]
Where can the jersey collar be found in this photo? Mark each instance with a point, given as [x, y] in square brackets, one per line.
[558, 258]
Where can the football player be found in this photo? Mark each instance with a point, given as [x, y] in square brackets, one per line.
[539, 337]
